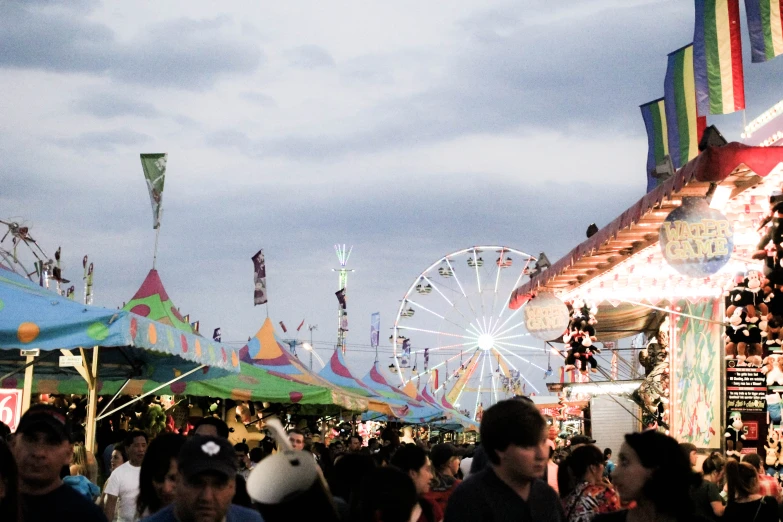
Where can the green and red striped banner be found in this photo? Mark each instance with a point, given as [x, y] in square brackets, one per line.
[717, 57]
[765, 26]
[654, 115]
[683, 125]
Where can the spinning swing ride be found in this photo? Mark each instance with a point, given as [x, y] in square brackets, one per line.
[454, 332]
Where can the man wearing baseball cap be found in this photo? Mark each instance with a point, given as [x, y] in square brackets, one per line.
[205, 485]
[42, 446]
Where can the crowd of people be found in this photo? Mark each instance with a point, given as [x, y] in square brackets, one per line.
[514, 474]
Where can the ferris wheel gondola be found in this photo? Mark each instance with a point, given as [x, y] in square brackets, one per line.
[464, 329]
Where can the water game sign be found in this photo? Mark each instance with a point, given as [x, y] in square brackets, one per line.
[546, 317]
[746, 389]
[695, 239]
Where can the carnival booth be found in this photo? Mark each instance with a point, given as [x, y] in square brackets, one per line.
[694, 265]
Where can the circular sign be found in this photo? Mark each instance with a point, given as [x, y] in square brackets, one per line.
[695, 239]
[546, 317]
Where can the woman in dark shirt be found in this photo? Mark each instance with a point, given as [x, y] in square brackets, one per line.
[706, 496]
[745, 504]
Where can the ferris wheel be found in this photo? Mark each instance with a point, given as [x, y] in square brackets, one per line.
[454, 332]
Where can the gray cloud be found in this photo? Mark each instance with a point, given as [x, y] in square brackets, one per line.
[105, 105]
[259, 98]
[310, 57]
[105, 140]
[188, 54]
[571, 76]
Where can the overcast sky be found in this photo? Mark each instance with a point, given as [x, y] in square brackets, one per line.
[406, 129]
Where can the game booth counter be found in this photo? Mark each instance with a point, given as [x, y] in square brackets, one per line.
[695, 265]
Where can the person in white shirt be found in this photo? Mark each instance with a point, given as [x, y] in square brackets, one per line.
[122, 487]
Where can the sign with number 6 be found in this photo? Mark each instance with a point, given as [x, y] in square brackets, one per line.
[10, 407]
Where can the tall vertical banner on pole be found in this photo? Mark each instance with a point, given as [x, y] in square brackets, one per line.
[765, 26]
[683, 124]
[154, 166]
[375, 329]
[654, 115]
[717, 57]
[259, 279]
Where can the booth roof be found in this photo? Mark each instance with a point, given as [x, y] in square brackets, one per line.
[634, 233]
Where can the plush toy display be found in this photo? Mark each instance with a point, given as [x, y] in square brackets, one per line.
[772, 452]
[735, 434]
[773, 368]
[580, 338]
[769, 246]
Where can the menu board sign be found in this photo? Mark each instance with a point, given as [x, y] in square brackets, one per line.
[746, 389]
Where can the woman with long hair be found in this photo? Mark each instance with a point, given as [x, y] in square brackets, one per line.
[414, 461]
[653, 472]
[745, 504]
[79, 469]
[9, 485]
[706, 496]
[158, 474]
[592, 493]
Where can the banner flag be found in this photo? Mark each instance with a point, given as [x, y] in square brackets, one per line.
[195, 325]
[344, 321]
[375, 329]
[282, 325]
[765, 26]
[300, 325]
[405, 360]
[259, 278]
[341, 297]
[654, 115]
[717, 57]
[684, 126]
[435, 380]
[216, 335]
[154, 166]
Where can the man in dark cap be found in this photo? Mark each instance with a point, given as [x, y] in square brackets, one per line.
[205, 485]
[42, 446]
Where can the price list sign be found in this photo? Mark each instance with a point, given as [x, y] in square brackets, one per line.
[746, 389]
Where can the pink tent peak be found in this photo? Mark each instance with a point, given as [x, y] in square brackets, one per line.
[152, 285]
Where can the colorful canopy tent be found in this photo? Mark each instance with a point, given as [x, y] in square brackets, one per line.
[32, 318]
[265, 351]
[451, 420]
[417, 413]
[252, 384]
[153, 302]
[338, 373]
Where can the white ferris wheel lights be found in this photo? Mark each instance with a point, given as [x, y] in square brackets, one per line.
[517, 369]
[457, 327]
[485, 342]
[526, 347]
[520, 357]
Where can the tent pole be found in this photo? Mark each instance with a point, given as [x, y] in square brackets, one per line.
[92, 402]
[115, 410]
[115, 396]
[28, 383]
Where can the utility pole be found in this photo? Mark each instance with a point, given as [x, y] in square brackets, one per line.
[311, 327]
[342, 314]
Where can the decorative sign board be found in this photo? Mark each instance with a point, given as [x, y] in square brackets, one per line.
[70, 361]
[746, 389]
[10, 407]
[696, 240]
[546, 317]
